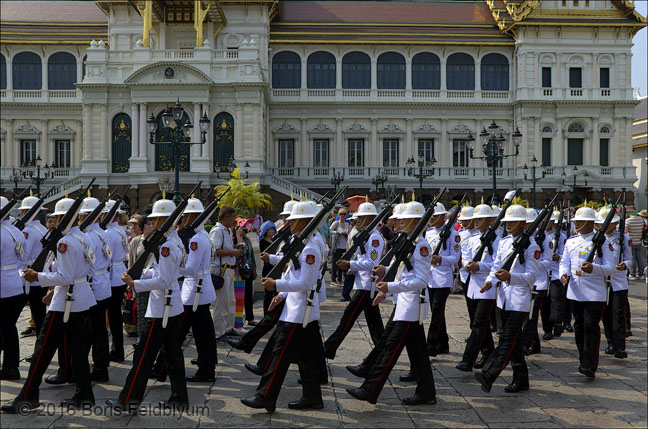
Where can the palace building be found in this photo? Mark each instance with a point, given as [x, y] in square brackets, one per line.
[304, 94]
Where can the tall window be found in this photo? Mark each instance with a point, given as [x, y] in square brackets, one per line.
[426, 147]
[575, 77]
[604, 77]
[460, 72]
[574, 151]
[460, 153]
[391, 71]
[26, 71]
[494, 73]
[546, 77]
[546, 152]
[3, 72]
[604, 151]
[321, 70]
[62, 153]
[61, 71]
[426, 71]
[286, 153]
[390, 153]
[121, 143]
[286, 70]
[27, 151]
[223, 139]
[356, 71]
[356, 153]
[320, 153]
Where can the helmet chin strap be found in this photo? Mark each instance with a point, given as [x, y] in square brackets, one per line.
[578, 229]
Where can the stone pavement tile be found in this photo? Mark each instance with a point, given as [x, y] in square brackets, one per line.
[507, 408]
[362, 414]
[580, 417]
[438, 415]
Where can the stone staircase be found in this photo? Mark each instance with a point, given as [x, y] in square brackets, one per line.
[71, 185]
[290, 189]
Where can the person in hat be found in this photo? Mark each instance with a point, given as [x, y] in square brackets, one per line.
[340, 230]
[587, 287]
[635, 225]
[557, 291]
[161, 281]
[74, 259]
[360, 266]
[466, 232]
[514, 299]
[291, 344]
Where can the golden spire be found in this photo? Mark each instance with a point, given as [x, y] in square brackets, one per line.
[482, 200]
[291, 196]
[89, 193]
[31, 192]
[66, 193]
[366, 198]
[413, 196]
[163, 194]
[402, 198]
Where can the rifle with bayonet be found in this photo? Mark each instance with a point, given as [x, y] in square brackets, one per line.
[447, 228]
[108, 218]
[558, 233]
[21, 222]
[94, 214]
[622, 219]
[189, 231]
[599, 237]
[319, 201]
[12, 203]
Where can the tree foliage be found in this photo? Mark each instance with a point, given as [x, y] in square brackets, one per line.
[246, 198]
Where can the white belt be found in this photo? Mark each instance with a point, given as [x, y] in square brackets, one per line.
[115, 264]
[30, 262]
[98, 273]
[8, 267]
[200, 275]
[80, 280]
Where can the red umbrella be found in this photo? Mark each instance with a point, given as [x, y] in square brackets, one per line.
[356, 200]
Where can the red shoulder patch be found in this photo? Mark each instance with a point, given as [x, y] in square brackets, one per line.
[537, 254]
[310, 259]
[424, 251]
[165, 252]
[375, 243]
[193, 245]
[457, 239]
[611, 246]
[551, 244]
[62, 248]
[26, 234]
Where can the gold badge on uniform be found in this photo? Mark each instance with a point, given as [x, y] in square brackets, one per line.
[373, 255]
[456, 248]
[579, 273]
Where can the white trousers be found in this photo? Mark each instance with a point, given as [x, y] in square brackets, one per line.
[225, 305]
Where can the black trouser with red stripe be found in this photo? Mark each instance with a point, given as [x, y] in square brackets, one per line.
[37, 306]
[268, 321]
[464, 291]
[375, 353]
[360, 301]
[147, 349]
[50, 337]
[587, 333]
[115, 321]
[481, 337]
[291, 345]
[412, 336]
[508, 349]
[559, 306]
[10, 309]
[614, 319]
[202, 326]
[437, 337]
[530, 338]
[98, 338]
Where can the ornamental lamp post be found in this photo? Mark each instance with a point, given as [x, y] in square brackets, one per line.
[33, 171]
[15, 177]
[574, 186]
[534, 179]
[410, 163]
[379, 180]
[176, 135]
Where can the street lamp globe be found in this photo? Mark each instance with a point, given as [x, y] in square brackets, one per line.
[178, 111]
[204, 123]
[151, 124]
[517, 137]
[167, 117]
[492, 128]
[421, 159]
[187, 129]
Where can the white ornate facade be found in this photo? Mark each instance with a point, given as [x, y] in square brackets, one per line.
[566, 86]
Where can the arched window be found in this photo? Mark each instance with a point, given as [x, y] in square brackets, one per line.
[356, 71]
[83, 67]
[223, 139]
[576, 127]
[391, 71]
[460, 72]
[321, 70]
[164, 160]
[286, 70]
[27, 71]
[547, 129]
[494, 73]
[426, 71]
[61, 71]
[3, 72]
[121, 143]
[605, 130]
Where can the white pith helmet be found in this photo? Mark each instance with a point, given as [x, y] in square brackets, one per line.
[482, 211]
[467, 213]
[303, 210]
[287, 208]
[532, 214]
[109, 205]
[439, 209]
[413, 210]
[27, 203]
[3, 202]
[88, 205]
[514, 213]
[366, 209]
[62, 206]
[496, 210]
[194, 205]
[554, 215]
[603, 213]
[586, 214]
[162, 208]
[398, 210]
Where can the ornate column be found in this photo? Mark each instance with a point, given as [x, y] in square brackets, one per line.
[303, 145]
[338, 160]
[373, 147]
[205, 149]
[238, 132]
[44, 84]
[256, 125]
[87, 131]
[562, 155]
[200, 152]
[134, 131]
[409, 144]
[44, 147]
[408, 72]
[143, 131]
[338, 73]
[195, 149]
[78, 142]
[443, 74]
[9, 143]
[595, 152]
[139, 160]
[374, 74]
[304, 72]
[443, 149]
[104, 139]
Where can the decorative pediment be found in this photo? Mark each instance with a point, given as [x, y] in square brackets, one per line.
[391, 128]
[62, 129]
[321, 128]
[356, 128]
[27, 129]
[461, 129]
[168, 73]
[286, 128]
[427, 129]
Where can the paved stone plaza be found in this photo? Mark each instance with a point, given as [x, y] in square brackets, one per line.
[559, 396]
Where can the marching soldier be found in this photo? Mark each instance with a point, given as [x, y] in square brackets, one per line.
[587, 287]
[118, 243]
[406, 331]
[291, 344]
[556, 288]
[12, 296]
[74, 259]
[466, 232]
[361, 300]
[440, 281]
[614, 314]
[514, 298]
[482, 303]
[163, 285]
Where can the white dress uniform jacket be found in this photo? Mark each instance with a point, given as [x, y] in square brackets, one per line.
[198, 264]
[34, 231]
[164, 275]
[618, 280]
[542, 278]
[12, 258]
[118, 242]
[583, 286]
[298, 283]
[554, 268]
[324, 249]
[442, 275]
[103, 258]
[466, 235]
[71, 268]
[361, 265]
[478, 278]
[410, 284]
[516, 294]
